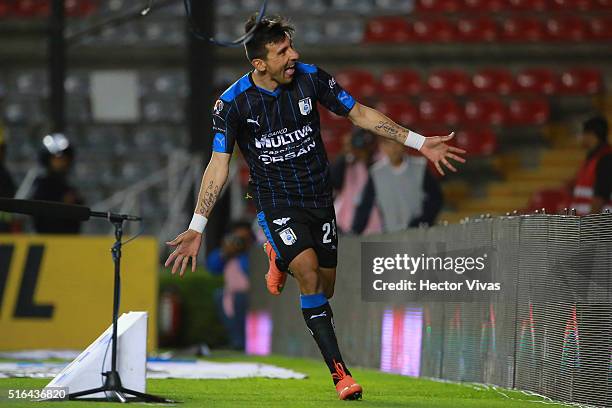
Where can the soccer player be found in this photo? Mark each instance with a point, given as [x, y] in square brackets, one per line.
[271, 112]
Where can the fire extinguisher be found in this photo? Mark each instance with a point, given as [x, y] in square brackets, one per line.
[169, 317]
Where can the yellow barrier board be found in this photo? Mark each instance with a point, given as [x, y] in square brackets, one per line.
[56, 292]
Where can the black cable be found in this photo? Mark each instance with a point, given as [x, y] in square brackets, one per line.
[235, 43]
[139, 233]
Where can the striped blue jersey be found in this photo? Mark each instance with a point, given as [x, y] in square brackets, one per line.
[279, 135]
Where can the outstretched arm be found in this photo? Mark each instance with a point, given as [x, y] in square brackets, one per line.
[434, 148]
[188, 243]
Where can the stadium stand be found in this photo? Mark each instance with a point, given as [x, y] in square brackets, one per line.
[508, 113]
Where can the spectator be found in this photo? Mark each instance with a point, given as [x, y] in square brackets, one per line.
[7, 186]
[350, 177]
[593, 185]
[407, 193]
[56, 157]
[232, 260]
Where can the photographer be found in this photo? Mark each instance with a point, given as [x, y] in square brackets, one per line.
[232, 260]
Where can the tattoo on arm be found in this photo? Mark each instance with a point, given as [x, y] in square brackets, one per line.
[391, 131]
[209, 197]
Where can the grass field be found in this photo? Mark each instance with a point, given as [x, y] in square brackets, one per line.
[380, 390]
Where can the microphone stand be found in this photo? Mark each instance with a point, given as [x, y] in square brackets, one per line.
[112, 383]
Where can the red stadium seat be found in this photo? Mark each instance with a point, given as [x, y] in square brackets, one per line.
[31, 8]
[554, 201]
[572, 5]
[568, 28]
[538, 81]
[434, 30]
[523, 29]
[6, 8]
[401, 82]
[481, 29]
[528, 111]
[359, 83]
[477, 142]
[528, 5]
[600, 28]
[603, 4]
[80, 8]
[388, 30]
[400, 110]
[438, 6]
[493, 80]
[449, 81]
[579, 81]
[440, 111]
[492, 6]
[487, 110]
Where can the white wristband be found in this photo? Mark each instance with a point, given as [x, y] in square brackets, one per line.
[414, 140]
[198, 223]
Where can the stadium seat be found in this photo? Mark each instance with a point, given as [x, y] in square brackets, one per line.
[600, 28]
[481, 29]
[528, 111]
[567, 28]
[477, 142]
[401, 82]
[528, 5]
[394, 6]
[554, 201]
[571, 5]
[440, 111]
[537, 81]
[80, 8]
[445, 81]
[312, 31]
[493, 80]
[400, 110]
[492, 6]
[353, 6]
[162, 110]
[6, 8]
[603, 4]
[578, 81]
[23, 111]
[522, 29]
[347, 30]
[359, 83]
[388, 30]
[438, 6]
[31, 8]
[487, 110]
[434, 30]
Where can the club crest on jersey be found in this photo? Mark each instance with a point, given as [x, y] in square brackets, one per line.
[288, 236]
[305, 106]
[218, 106]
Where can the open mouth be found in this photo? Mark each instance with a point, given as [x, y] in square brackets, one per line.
[290, 70]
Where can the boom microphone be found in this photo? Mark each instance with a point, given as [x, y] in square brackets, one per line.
[58, 210]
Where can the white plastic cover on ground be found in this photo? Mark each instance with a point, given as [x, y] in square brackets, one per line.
[165, 369]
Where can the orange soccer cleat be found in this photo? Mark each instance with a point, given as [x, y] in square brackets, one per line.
[346, 388]
[275, 278]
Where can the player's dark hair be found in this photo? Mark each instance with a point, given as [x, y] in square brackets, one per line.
[598, 125]
[271, 30]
